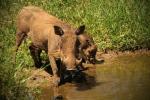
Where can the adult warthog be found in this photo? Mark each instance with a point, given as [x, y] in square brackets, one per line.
[50, 34]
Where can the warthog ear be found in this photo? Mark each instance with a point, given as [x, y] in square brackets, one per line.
[58, 30]
[80, 30]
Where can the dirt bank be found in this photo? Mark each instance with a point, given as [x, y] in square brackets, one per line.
[114, 54]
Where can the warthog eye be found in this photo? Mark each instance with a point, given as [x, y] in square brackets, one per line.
[88, 42]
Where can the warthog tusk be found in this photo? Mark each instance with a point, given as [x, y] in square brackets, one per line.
[78, 61]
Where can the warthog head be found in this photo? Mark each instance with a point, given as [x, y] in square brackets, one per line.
[69, 46]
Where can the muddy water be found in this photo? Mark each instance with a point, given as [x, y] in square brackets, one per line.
[122, 78]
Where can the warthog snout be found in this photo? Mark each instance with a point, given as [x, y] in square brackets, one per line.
[72, 67]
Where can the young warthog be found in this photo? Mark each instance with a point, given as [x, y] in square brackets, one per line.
[87, 48]
[50, 34]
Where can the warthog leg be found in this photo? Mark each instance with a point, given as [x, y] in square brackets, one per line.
[56, 78]
[20, 36]
[35, 53]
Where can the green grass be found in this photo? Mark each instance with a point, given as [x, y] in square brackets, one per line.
[114, 25]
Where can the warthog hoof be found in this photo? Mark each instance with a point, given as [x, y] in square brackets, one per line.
[56, 80]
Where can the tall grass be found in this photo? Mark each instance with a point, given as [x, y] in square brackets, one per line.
[114, 25]
[11, 87]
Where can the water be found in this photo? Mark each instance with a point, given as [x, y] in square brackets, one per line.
[123, 78]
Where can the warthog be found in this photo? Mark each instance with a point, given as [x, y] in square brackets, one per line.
[50, 34]
[87, 48]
